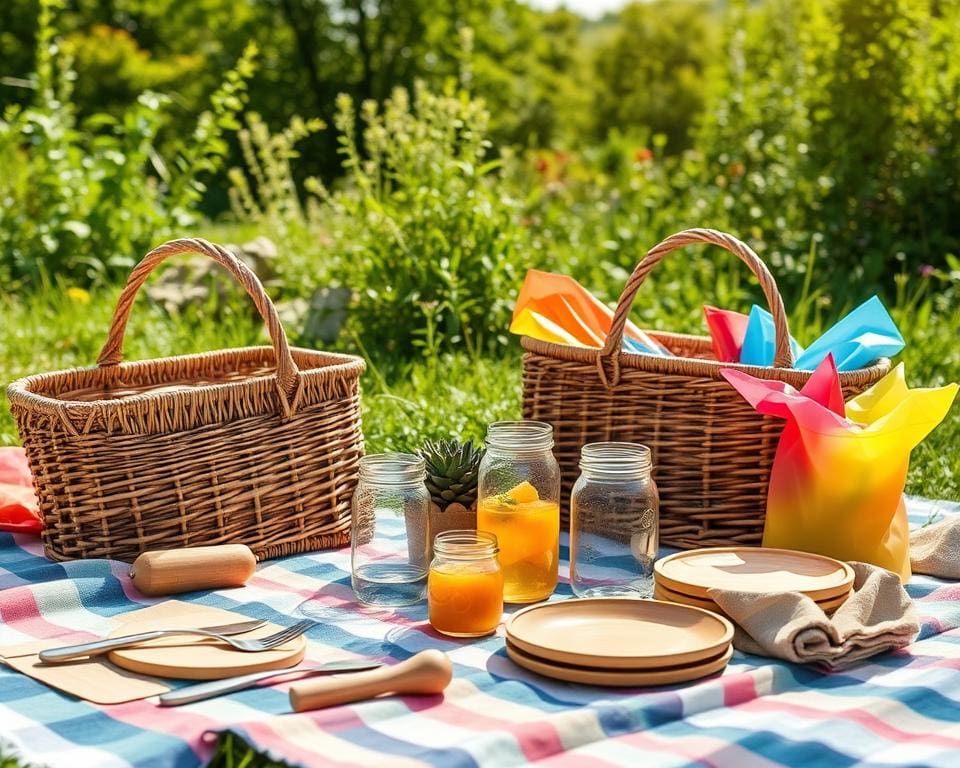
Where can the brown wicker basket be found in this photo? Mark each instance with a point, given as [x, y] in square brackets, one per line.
[258, 446]
[712, 452]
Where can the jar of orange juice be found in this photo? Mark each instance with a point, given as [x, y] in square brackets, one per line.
[465, 584]
[518, 500]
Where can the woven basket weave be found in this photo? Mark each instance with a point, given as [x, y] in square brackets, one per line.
[712, 452]
[258, 446]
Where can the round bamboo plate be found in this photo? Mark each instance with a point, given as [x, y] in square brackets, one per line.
[663, 593]
[634, 678]
[618, 633]
[754, 569]
[198, 658]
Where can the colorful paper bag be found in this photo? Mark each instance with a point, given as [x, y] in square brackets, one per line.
[556, 308]
[836, 486]
[858, 340]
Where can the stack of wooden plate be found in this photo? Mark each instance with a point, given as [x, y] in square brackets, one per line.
[686, 576]
[619, 641]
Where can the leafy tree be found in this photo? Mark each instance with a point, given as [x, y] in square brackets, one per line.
[651, 72]
[83, 201]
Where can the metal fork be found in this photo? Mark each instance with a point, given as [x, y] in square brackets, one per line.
[254, 645]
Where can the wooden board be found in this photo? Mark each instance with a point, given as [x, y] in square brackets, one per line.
[633, 678]
[618, 633]
[753, 569]
[196, 658]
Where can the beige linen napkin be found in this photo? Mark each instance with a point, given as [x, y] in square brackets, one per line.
[878, 616]
[935, 549]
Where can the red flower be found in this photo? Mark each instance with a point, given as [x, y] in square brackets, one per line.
[643, 155]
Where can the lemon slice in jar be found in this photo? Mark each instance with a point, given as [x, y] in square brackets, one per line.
[524, 493]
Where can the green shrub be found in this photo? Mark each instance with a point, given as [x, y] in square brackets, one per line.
[835, 123]
[83, 202]
[652, 72]
[420, 230]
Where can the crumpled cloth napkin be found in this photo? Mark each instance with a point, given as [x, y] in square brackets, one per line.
[19, 512]
[878, 616]
[935, 549]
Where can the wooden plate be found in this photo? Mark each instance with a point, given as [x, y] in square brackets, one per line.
[618, 633]
[661, 592]
[754, 569]
[196, 658]
[634, 678]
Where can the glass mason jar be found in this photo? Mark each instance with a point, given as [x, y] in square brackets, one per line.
[465, 585]
[614, 522]
[388, 530]
[518, 500]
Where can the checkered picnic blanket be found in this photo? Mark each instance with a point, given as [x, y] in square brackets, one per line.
[901, 708]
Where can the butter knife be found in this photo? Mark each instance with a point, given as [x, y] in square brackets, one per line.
[213, 688]
[99, 647]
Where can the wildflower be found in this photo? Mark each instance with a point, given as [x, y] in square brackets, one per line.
[643, 155]
[927, 270]
[79, 295]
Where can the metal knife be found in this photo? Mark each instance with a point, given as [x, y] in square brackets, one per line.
[97, 647]
[209, 690]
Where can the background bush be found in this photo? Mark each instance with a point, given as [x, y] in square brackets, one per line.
[82, 200]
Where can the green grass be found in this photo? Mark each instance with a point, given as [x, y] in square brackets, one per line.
[231, 752]
[405, 402]
[234, 752]
[9, 760]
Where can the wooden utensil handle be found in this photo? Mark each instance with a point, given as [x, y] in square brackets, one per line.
[426, 673]
[172, 571]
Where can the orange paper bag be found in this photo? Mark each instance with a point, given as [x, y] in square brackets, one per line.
[556, 308]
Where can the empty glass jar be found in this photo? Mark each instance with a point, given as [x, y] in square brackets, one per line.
[519, 502]
[389, 523]
[614, 522]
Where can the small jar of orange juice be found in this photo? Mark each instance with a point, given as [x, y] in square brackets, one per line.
[518, 500]
[465, 584]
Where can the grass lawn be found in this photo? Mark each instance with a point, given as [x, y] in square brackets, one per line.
[406, 402]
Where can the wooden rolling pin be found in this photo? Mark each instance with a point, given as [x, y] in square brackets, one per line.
[427, 672]
[171, 571]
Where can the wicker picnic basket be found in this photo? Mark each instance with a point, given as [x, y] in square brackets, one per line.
[258, 446]
[712, 452]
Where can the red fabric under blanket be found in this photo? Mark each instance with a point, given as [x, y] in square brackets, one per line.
[19, 512]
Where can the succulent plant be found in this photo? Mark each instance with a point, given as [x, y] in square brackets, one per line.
[452, 471]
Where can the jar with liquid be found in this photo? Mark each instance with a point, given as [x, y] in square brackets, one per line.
[519, 502]
[614, 522]
[389, 520]
[465, 584]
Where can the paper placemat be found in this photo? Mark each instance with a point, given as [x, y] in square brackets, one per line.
[97, 680]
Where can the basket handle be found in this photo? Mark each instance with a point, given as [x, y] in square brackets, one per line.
[287, 371]
[783, 357]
